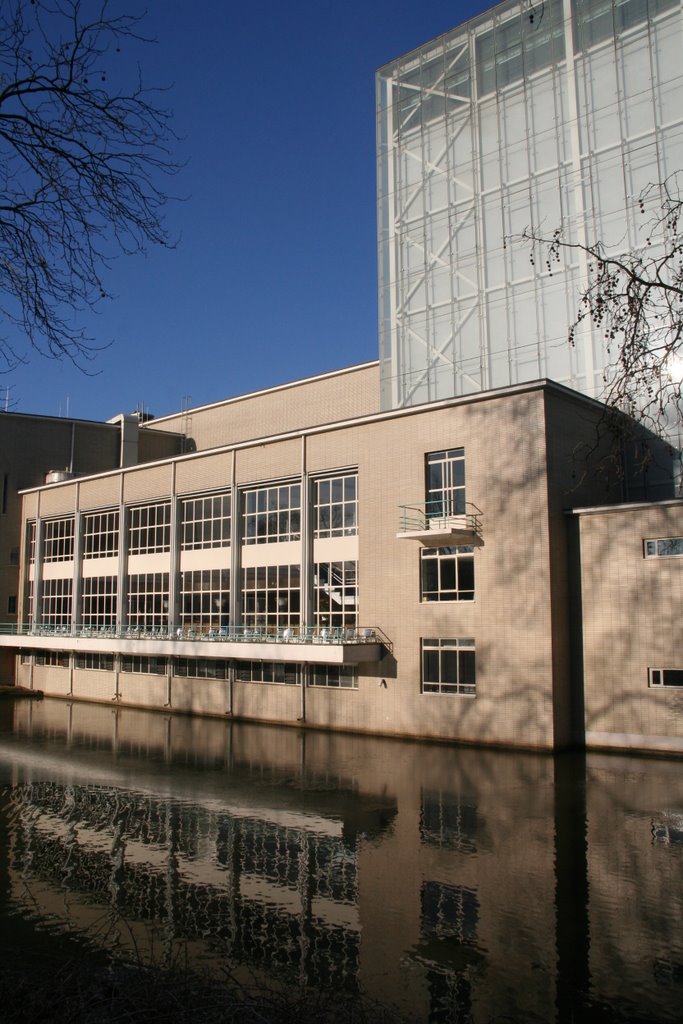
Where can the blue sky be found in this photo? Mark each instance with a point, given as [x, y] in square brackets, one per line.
[274, 274]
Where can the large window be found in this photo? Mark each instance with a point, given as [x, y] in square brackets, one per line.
[205, 599]
[150, 529]
[336, 594]
[448, 666]
[206, 522]
[56, 605]
[201, 668]
[447, 574]
[271, 596]
[337, 677]
[98, 602]
[31, 543]
[446, 482]
[144, 664]
[148, 600]
[336, 506]
[101, 534]
[272, 514]
[520, 46]
[267, 672]
[53, 659]
[58, 540]
[94, 662]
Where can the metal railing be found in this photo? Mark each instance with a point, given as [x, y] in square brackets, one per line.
[231, 634]
[422, 516]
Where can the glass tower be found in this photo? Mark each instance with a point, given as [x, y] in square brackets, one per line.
[544, 115]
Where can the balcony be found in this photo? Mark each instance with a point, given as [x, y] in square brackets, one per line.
[334, 645]
[437, 525]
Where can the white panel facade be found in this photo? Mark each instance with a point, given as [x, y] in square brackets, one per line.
[552, 115]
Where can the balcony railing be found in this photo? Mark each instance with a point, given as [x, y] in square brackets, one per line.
[232, 634]
[439, 518]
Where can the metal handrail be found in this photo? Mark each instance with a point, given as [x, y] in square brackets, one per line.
[417, 516]
[240, 634]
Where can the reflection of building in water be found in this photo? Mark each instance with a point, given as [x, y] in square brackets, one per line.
[456, 883]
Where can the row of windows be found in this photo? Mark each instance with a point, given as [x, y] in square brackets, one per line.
[270, 514]
[335, 676]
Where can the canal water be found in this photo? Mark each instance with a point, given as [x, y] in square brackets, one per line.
[451, 884]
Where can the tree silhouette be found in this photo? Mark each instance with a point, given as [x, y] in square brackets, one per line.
[82, 157]
[635, 300]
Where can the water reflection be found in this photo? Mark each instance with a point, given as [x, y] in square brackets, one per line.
[456, 884]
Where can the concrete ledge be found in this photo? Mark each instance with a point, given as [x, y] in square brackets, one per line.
[635, 741]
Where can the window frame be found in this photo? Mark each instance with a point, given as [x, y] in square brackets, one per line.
[443, 649]
[460, 554]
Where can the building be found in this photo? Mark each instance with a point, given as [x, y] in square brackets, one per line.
[543, 115]
[427, 546]
[34, 449]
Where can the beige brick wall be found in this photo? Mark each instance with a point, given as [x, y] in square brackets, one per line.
[339, 396]
[632, 621]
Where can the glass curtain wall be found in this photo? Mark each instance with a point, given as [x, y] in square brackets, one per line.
[553, 115]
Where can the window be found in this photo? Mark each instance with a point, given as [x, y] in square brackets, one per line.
[12, 604]
[448, 666]
[148, 600]
[94, 662]
[58, 542]
[56, 606]
[336, 506]
[665, 676]
[447, 574]
[54, 659]
[202, 668]
[31, 542]
[101, 534]
[666, 547]
[446, 482]
[150, 529]
[520, 46]
[98, 603]
[205, 599]
[206, 522]
[267, 672]
[28, 604]
[272, 514]
[271, 596]
[338, 677]
[336, 594]
[141, 663]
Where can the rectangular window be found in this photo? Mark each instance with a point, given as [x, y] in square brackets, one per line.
[101, 534]
[338, 677]
[284, 673]
[445, 483]
[271, 596]
[205, 599]
[272, 514]
[336, 594]
[56, 606]
[206, 522]
[28, 603]
[665, 677]
[448, 666]
[520, 46]
[54, 659]
[31, 542]
[12, 604]
[150, 529]
[99, 601]
[94, 662]
[148, 600]
[336, 506]
[58, 540]
[447, 574]
[141, 663]
[665, 547]
[201, 668]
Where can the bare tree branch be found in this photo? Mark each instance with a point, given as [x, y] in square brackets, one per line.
[82, 158]
[635, 300]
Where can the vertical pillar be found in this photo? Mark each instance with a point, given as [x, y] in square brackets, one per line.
[235, 541]
[77, 583]
[174, 568]
[121, 581]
